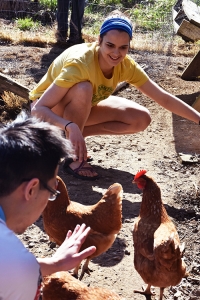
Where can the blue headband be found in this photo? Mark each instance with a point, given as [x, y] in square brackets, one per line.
[116, 23]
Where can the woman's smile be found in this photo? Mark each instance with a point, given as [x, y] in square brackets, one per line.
[113, 48]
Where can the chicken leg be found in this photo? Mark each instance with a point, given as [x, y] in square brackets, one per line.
[85, 269]
[147, 292]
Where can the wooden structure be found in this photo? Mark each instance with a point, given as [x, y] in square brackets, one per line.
[186, 20]
[196, 104]
[7, 84]
[192, 72]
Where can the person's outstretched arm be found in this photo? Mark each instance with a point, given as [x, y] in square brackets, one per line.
[170, 102]
[67, 256]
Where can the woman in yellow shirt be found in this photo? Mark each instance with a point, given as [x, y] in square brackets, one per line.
[76, 92]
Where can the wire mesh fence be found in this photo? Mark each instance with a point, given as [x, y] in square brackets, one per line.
[158, 38]
[37, 8]
[45, 11]
[34, 8]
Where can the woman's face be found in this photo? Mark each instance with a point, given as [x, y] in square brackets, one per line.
[113, 47]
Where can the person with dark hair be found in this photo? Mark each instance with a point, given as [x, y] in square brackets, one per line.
[76, 93]
[75, 25]
[30, 152]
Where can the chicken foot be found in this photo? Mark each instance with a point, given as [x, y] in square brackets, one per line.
[75, 271]
[147, 292]
[85, 269]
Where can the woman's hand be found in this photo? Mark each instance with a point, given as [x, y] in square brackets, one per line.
[75, 136]
[67, 256]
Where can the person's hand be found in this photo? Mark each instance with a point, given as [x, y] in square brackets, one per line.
[74, 134]
[67, 256]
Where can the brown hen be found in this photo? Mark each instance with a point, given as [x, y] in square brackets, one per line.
[157, 250]
[104, 218]
[62, 286]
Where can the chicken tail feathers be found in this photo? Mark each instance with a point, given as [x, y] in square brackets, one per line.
[115, 188]
[170, 252]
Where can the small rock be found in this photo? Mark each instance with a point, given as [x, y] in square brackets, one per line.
[177, 294]
[196, 292]
[31, 245]
[43, 240]
[52, 245]
[5, 71]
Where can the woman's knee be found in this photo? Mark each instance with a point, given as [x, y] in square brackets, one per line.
[78, 96]
[141, 120]
[146, 119]
[82, 90]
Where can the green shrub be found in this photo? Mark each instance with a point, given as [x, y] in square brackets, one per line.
[26, 24]
[148, 15]
[49, 4]
[152, 16]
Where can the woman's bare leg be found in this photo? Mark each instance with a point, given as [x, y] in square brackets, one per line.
[116, 116]
[76, 106]
[112, 116]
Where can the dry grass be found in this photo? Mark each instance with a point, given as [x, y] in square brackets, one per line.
[151, 41]
[40, 37]
[158, 42]
[10, 106]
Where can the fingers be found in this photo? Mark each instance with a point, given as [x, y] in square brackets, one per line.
[76, 229]
[82, 153]
[86, 252]
[80, 232]
[78, 143]
[69, 233]
[67, 255]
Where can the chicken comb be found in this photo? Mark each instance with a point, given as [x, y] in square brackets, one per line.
[139, 174]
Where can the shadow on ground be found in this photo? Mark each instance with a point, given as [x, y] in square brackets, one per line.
[46, 61]
[186, 133]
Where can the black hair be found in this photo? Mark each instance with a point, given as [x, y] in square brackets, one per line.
[29, 148]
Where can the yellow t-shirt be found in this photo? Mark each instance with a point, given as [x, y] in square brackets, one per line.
[80, 63]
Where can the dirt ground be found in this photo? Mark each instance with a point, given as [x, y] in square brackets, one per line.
[117, 158]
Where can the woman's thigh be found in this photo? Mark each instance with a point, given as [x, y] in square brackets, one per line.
[117, 109]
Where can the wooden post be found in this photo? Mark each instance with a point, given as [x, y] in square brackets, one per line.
[189, 31]
[7, 84]
[186, 20]
[192, 72]
[192, 12]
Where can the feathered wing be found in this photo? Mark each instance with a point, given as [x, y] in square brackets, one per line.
[104, 218]
[168, 255]
[157, 249]
[62, 286]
